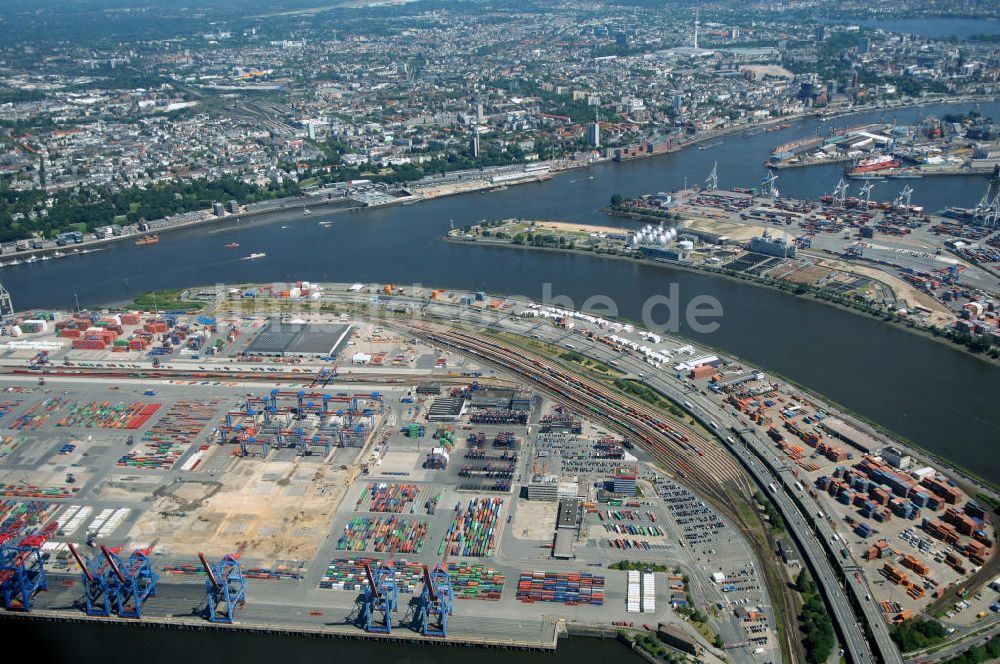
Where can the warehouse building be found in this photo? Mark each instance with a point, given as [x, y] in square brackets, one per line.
[278, 339]
[677, 639]
[845, 432]
[446, 409]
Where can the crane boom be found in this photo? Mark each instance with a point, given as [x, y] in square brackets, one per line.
[371, 579]
[428, 584]
[80, 562]
[114, 565]
[208, 570]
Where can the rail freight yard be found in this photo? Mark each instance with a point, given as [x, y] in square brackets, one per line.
[360, 461]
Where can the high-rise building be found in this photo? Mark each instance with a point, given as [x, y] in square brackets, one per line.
[474, 145]
[820, 32]
[864, 45]
[594, 134]
[479, 113]
[312, 130]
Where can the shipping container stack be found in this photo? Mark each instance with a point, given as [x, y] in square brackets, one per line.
[22, 519]
[388, 498]
[172, 435]
[383, 535]
[648, 593]
[473, 531]
[632, 597]
[474, 581]
[105, 415]
[38, 414]
[572, 589]
[349, 574]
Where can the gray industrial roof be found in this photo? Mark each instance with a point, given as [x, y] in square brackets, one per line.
[279, 338]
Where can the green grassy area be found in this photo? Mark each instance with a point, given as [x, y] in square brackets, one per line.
[773, 515]
[595, 369]
[632, 565]
[917, 634]
[165, 300]
[648, 395]
[588, 363]
[814, 621]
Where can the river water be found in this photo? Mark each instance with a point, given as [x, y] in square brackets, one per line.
[940, 398]
[111, 644]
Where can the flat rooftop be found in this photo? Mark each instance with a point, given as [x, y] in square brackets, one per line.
[279, 338]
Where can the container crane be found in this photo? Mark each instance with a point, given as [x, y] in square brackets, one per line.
[226, 587]
[381, 596]
[436, 601]
[136, 581]
[22, 574]
[113, 585]
[712, 181]
[96, 583]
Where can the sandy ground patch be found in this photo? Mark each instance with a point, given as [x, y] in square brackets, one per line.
[534, 520]
[940, 316]
[271, 512]
[567, 227]
[768, 70]
[735, 231]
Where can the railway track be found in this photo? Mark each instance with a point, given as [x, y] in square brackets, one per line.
[676, 446]
[706, 468]
[235, 375]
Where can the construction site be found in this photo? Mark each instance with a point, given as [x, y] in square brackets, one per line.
[327, 473]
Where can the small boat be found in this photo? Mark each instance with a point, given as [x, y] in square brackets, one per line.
[253, 256]
[14, 262]
[326, 224]
[46, 258]
[149, 239]
[306, 210]
[232, 245]
[31, 259]
[58, 254]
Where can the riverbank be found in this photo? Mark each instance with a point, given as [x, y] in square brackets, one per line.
[785, 287]
[319, 201]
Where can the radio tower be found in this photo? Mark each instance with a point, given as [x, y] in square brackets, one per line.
[6, 306]
[696, 27]
[712, 181]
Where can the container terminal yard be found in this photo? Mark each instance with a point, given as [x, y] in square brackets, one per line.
[889, 255]
[884, 149]
[364, 457]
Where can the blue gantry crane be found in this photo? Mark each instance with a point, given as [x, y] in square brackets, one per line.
[226, 587]
[436, 601]
[381, 597]
[22, 575]
[96, 582]
[136, 581]
[113, 585]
